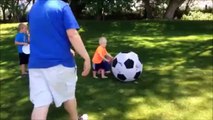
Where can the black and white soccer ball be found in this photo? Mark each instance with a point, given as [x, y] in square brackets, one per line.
[126, 66]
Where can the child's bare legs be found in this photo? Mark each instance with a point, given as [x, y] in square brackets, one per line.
[99, 71]
[102, 71]
[94, 74]
[23, 69]
[103, 74]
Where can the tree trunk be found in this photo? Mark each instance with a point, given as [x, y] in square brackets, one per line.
[187, 9]
[173, 5]
[100, 12]
[77, 7]
[148, 9]
[4, 14]
[25, 8]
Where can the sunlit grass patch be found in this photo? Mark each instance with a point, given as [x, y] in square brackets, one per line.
[190, 37]
[8, 30]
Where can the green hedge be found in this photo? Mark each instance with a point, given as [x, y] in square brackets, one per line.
[197, 15]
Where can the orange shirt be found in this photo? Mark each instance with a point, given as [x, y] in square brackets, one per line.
[99, 51]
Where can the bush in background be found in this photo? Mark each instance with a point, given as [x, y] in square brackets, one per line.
[197, 15]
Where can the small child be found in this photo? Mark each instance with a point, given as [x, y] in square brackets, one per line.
[21, 40]
[101, 58]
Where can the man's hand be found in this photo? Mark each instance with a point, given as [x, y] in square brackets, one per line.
[78, 45]
[25, 44]
[87, 67]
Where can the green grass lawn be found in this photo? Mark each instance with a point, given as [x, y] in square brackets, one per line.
[176, 82]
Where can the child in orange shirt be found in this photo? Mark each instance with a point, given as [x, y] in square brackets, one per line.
[101, 58]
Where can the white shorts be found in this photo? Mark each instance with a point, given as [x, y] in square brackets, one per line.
[52, 84]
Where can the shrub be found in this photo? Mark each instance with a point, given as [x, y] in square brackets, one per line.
[197, 15]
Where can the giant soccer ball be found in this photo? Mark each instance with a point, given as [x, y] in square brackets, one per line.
[126, 66]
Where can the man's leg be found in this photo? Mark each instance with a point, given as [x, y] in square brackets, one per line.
[40, 113]
[71, 107]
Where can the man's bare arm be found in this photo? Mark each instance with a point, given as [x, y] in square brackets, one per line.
[79, 47]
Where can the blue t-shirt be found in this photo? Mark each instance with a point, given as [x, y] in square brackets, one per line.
[49, 43]
[21, 37]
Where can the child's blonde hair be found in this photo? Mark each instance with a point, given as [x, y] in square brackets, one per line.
[21, 26]
[102, 40]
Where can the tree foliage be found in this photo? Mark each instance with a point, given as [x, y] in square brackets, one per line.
[14, 9]
[151, 8]
[105, 9]
[101, 8]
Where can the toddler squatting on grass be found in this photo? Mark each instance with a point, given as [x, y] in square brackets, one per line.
[101, 59]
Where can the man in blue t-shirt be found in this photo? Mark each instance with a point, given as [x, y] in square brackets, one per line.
[52, 68]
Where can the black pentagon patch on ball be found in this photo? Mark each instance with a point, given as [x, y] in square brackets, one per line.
[129, 63]
[137, 75]
[114, 62]
[121, 77]
[125, 52]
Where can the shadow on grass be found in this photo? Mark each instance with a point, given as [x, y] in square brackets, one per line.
[172, 71]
